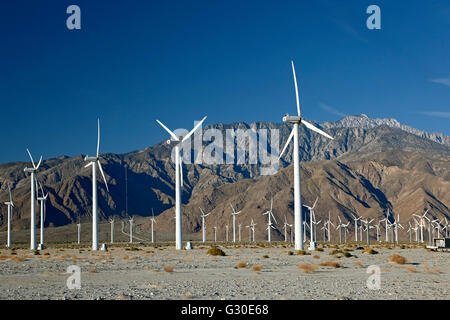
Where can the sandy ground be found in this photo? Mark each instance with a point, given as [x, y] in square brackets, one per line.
[125, 274]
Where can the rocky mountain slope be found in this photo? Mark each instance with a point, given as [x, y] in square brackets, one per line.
[366, 169]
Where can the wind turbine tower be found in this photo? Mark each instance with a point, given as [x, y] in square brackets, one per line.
[296, 121]
[10, 205]
[33, 171]
[176, 141]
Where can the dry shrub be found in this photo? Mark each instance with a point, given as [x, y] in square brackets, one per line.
[290, 253]
[16, 259]
[332, 264]
[335, 251]
[257, 268]
[3, 257]
[188, 295]
[93, 270]
[302, 253]
[411, 269]
[215, 251]
[431, 270]
[308, 268]
[370, 251]
[397, 259]
[188, 259]
[241, 264]
[168, 268]
[316, 256]
[359, 263]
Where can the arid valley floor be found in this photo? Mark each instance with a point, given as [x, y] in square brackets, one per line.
[250, 271]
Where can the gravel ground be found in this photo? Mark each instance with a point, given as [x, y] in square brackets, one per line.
[126, 274]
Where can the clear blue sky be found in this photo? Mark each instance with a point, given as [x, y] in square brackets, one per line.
[136, 61]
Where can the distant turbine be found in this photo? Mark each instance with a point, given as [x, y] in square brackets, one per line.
[94, 162]
[285, 229]
[131, 229]
[153, 221]
[226, 227]
[234, 214]
[356, 226]
[10, 205]
[367, 223]
[240, 226]
[111, 221]
[43, 200]
[311, 224]
[253, 229]
[32, 171]
[422, 224]
[269, 223]
[296, 121]
[203, 224]
[177, 140]
[215, 234]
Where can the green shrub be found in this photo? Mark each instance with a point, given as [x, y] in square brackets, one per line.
[215, 251]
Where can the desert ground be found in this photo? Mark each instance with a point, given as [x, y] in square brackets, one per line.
[247, 271]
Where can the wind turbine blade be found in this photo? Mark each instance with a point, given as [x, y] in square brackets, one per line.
[287, 143]
[296, 90]
[32, 161]
[232, 208]
[203, 214]
[39, 163]
[313, 128]
[89, 164]
[273, 217]
[167, 129]
[193, 130]
[98, 137]
[315, 202]
[103, 174]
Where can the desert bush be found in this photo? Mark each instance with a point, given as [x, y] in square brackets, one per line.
[265, 256]
[411, 269]
[241, 264]
[36, 252]
[397, 259]
[316, 256]
[318, 249]
[359, 263]
[257, 268]
[431, 270]
[370, 251]
[347, 254]
[308, 268]
[93, 270]
[290, 253]
[168, 268]
[335, 251]
[332, 264]
[302, 253]
[215, 251]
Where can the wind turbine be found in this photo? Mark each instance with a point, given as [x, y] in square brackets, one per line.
[422, 217]
[240, 226]
[226, 228]
[33, 171]
[367, 223]
[253, 229]
[346, 231]
[396, 225]
[249, 233]
[296, 121]
[215, 234]
[312, 243]
[10, 205]
[285, 229]
[234, 214]
[111, 221]
[94, 162]
[377, 226]
[203, 224]
[269, 223]
[410, 232]
[356, 226]
[177, 140]
[329, 224]
[445, 227]
[153, 222]
[131, 229]
[43, 200]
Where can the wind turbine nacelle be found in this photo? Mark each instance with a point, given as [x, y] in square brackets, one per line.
[292, 119]
[29, 170]
[90, 159]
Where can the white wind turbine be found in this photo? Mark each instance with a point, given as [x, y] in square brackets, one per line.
[345, 226]
[410, 231]
[377, 226]
[94, 162]
[177, 140]
[234, 214]
[32, 171]
[111, 221]
[203, 224]
[153, 222]
[42, 200]
[445, 227]
[226, 228]
[396, 225]
[367, 223]
[131, 229]
[253, 229]
[422, 224]
[215, 234]
[269, 222]
[356, 226]
[339, 227]
[296, 121]
[285, 229]
[416, 229]
[315, 223]
[328, 223]
[240, 227]
[10, 205]
[311, 224]
[438, 227]
[249, 233]
[304, 230]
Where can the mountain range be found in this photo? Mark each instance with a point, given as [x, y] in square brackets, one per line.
[372, 165]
